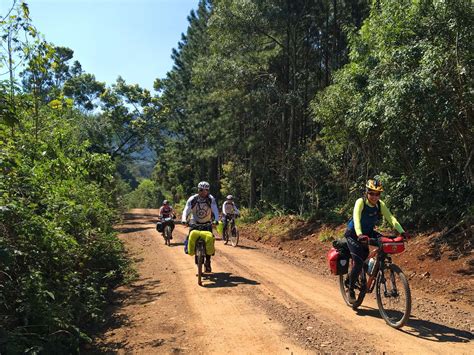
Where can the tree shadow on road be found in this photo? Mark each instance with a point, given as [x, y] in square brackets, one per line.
[425, 329]
[141, 223]
[140, 292]
[226, 279]
[130, 216]
[127, 229]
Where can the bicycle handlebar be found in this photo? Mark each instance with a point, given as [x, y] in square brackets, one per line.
[203, 226]
[377, 242]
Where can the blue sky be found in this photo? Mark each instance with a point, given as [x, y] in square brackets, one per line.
[130, 38]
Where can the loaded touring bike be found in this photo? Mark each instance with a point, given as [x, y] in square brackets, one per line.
[168, 230]
[379, 273]
[200, 249]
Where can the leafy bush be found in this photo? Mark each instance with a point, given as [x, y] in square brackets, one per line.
[250, 215]
[58, 253]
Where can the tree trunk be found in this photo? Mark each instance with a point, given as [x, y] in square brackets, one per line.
[253, 190]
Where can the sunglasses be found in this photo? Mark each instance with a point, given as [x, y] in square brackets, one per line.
[201, 190]
[374, 193]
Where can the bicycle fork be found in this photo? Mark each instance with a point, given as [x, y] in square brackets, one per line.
[383, 280]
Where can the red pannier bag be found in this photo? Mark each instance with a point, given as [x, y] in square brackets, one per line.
[393, 246]
[337, 264]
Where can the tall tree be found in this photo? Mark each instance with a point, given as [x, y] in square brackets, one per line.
[403, 107]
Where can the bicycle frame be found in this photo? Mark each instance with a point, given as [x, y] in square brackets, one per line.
[230, 224]
[381, 259]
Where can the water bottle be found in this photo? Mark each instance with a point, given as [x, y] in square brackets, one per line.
[371, 266]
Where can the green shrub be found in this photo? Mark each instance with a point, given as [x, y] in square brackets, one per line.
[58, 253]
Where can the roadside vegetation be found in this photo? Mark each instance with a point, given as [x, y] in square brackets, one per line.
[287, 105]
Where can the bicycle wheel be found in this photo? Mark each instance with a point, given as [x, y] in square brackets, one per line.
[234, 237]
[225, 234]
[393, 296]
[168, 235]
[200, 261]
[360, 287]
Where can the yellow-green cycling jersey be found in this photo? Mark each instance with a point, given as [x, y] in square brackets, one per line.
[366, 215]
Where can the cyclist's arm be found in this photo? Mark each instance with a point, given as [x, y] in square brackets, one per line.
[214, 208]
[357, 214]
[187, 210]
[236, 210]
[160, 214]
[223, 209]
[390, 218]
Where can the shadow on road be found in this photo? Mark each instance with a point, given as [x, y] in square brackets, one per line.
[130, 216]
[437, 332]
[245, 247]
[425, 329]
[132, 229]
[140, 223]
[141, 292]
[226, 279]
[172, 244]
[177, 244]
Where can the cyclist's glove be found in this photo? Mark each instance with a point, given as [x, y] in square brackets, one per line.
[215, 223]
[406, 235]
[363, 239]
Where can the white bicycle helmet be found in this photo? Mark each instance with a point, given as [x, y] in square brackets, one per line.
[204, 185]
[230, 197]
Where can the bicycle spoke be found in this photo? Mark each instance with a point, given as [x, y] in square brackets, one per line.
[393, 297]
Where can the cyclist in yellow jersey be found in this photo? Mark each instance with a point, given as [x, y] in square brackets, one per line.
[368, 210]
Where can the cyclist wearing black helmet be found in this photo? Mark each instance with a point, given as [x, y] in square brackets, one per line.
[368, 210]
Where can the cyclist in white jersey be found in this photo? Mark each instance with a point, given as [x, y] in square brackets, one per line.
[203, 209]
[229, 209]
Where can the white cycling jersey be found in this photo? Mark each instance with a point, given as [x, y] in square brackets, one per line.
[229, 207]
[202, 209]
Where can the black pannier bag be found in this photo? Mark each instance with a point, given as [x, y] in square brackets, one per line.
[159, 227]
[344, 255]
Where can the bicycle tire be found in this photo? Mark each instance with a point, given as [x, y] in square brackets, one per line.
[200, 260]
[389, 316]
[225, 235]
[234, 239]
[344, 280]
[168, 235]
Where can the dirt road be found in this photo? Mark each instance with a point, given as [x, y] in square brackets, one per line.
[252, 303]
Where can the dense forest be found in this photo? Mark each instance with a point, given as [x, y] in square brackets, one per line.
[292, 105]
[288, 105]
